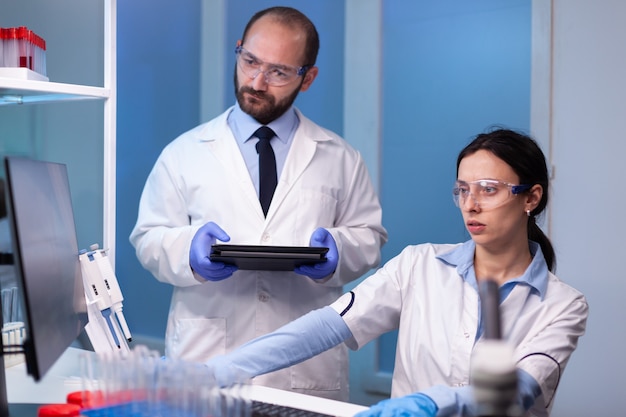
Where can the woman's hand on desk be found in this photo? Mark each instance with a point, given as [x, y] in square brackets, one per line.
[414, 405]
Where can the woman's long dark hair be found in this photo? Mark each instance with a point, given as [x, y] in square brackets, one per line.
[525, 157]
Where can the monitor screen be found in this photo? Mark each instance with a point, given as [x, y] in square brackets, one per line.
[45, 258]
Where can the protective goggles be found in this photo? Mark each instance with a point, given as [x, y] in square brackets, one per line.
[486, 194]
[275, 74]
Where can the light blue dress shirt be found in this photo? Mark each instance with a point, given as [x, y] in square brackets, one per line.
[461, 400]
[535, 276]
[243, 126]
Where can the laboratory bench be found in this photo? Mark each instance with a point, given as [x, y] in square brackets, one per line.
[25, 395]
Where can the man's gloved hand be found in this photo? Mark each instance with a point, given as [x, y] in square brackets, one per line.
[321, 238]
[200, 250]
[413, 405]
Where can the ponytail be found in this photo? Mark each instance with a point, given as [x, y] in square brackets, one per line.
[536, 234]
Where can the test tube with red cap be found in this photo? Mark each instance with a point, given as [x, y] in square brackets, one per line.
[1, 47]
[10, 50]
[25, 58]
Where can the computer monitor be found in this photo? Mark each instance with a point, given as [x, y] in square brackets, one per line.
[46, 261]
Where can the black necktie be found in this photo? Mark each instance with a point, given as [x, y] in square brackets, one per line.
[267, 166]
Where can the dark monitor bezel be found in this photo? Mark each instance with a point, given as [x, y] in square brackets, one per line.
[54, 313]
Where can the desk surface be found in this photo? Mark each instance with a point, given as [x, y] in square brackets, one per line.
[60, 380]
[304, 402]
[65, 377]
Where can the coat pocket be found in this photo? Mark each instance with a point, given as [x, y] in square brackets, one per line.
[197, 339]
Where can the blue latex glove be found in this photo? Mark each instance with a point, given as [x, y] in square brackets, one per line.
[321, 238]
[200, 250]
[413, 405]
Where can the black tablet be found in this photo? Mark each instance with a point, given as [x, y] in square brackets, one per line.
[267, 258]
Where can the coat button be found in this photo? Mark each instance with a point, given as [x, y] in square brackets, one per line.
[264, 297]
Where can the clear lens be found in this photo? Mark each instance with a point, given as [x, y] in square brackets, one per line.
[486, 194]
[275, 74]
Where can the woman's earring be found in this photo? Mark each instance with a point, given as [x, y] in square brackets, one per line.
[528, 213]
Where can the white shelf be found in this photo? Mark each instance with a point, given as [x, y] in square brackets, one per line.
[20, 91]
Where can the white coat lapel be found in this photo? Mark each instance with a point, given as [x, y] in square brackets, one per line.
[302, 151]
[224, 147]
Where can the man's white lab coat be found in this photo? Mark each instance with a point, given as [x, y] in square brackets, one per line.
[201, 176]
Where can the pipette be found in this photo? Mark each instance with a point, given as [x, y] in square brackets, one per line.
[96, 292]
[100, 257]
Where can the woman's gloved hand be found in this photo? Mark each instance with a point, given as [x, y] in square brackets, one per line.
[321, 238]
[200, 250]
[413, 405]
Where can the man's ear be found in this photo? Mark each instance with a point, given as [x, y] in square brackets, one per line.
[310, 75]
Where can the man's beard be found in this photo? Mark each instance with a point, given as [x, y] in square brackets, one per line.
[269, 110]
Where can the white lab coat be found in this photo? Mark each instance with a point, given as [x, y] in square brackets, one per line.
[201, 176]
[436, 314]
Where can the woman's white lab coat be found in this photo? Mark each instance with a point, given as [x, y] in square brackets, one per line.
[200, 177]
[436, 314]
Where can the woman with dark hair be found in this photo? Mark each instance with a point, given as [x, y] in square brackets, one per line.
[526, 159]
[430, 293]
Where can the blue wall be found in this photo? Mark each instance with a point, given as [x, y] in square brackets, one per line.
[158, 76]
[451, 69]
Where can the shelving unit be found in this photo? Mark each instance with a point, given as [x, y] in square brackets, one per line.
[14, 91]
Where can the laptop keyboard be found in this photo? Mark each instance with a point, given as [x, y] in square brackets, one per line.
[261, 409]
